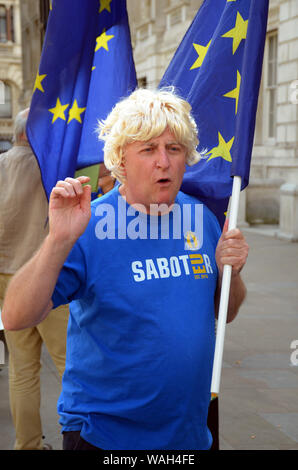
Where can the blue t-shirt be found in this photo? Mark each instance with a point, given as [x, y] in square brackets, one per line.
[141, 330]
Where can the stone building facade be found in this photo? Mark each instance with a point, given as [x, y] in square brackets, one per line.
[33, 24]
[272, 195]
[11, 83]
[157, 27]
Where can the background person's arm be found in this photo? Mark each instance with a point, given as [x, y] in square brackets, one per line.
[28, 296]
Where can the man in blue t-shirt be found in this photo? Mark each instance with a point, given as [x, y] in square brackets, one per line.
[141, 268]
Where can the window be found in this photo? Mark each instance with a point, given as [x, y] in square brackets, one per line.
[11, 25]
[44, 7]
[3, 24]
[175, 17]
[6, 108]
[271, 84]
[176, 13]
[6, 24]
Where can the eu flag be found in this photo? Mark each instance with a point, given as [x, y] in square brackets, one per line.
[217, 69]
[86, 67]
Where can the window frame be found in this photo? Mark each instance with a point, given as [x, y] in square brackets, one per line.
[270, 89]
[9, 102]
[3, 21]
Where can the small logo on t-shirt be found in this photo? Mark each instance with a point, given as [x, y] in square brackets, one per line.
[191, 241]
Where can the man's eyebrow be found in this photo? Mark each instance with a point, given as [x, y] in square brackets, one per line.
[147, 142]
[154, 144]
[150, 142]
[174, 142]
[144, 144]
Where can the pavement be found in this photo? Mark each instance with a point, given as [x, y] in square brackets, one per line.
[258, 399]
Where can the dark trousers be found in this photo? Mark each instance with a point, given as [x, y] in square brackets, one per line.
[73, 441]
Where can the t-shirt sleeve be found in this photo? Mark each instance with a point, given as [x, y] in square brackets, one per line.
[72, 278]
[218, 230]
[215, 230]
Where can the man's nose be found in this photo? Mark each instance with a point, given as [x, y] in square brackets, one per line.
[162, 159]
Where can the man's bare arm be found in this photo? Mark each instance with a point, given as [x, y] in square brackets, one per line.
[237, 296]
[28, 298]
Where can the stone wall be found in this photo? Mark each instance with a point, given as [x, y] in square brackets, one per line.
[11, 67]
[275, 159]
[157, 28]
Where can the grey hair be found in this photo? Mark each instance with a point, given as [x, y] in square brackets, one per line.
[20, 124]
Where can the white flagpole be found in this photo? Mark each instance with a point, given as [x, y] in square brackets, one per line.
[224, 295]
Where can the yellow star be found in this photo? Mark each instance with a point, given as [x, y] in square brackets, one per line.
[235, 93]
[58, 111]
[202, 51]
[231, 0]
[75, 112]
[238, 32]
[105, 5]
[37, 84]
[51, 4]
[222, 150]
[102, 41]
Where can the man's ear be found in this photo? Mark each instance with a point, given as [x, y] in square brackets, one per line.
[23, 137]
[123, 167]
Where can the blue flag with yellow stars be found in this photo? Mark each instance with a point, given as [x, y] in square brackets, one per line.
[217, 68]
[86, 67]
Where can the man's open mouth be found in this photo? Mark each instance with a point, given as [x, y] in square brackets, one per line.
[164, 180]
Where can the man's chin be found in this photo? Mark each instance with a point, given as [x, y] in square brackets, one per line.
[162, 205]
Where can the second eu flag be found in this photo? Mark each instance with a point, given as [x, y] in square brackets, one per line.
[86, 67]
[217, 68]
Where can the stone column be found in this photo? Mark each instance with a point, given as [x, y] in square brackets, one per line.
[288, 222]
[17, 23]
[241, 220]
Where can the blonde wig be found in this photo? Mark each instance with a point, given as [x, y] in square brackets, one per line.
[144, 115]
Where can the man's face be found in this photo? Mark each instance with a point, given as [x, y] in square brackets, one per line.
[154, 170]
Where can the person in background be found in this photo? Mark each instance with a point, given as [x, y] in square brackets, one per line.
[23, 227]
[106, 181]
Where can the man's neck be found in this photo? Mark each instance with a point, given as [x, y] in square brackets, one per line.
[21, 143]
[154, 209]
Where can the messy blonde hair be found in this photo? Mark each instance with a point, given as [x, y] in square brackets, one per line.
[144, 115]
